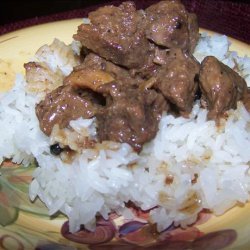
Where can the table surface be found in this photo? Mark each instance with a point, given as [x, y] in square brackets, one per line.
[224, 16]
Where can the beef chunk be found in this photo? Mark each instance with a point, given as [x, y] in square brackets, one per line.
[120, 74]
[131, 115]
[170, 25]
[116, 33]
[63, 105]
[221, 87]
[176, 81]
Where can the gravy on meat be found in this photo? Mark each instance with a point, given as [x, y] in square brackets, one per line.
[171, 26]
[65, 104]
[221, 87]
[116, 34]
[138, 64]
[130, 115]
[177, 81]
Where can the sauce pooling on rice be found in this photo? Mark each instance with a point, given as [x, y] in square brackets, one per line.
[137, 65]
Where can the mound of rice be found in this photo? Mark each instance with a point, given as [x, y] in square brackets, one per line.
[191, 164]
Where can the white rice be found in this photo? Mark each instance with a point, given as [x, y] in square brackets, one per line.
[208, 166]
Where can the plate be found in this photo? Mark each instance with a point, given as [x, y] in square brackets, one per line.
[26, 225]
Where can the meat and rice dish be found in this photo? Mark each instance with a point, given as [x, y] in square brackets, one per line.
[136, 66]
[138, 118]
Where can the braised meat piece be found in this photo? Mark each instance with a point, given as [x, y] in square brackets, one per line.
[117, 34]
[177, 81]
[65, 104]
[120, 74]
[170, 25]
[221, 87]
[130, 115]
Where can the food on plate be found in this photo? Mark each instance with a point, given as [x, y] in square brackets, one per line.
[139, 109]
[127, 86]
[221, 87]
